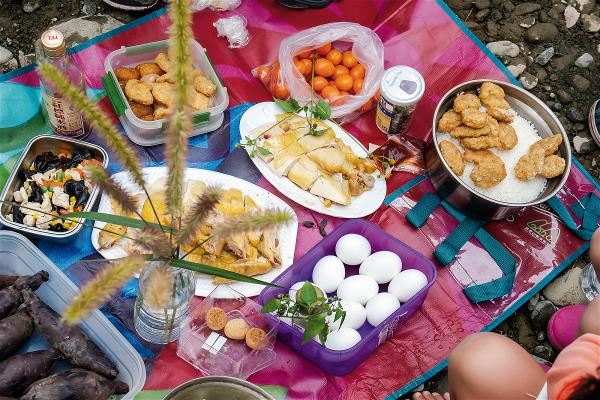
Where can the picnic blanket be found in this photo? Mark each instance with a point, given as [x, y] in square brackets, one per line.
[424, 34]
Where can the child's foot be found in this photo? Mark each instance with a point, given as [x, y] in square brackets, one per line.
[430, 396]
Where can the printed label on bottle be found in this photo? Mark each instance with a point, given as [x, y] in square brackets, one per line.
[63, 117]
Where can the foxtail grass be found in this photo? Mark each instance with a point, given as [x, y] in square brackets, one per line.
[114, 190]
[255, 221]
[197, 214]
[158, 288]
[154, 239]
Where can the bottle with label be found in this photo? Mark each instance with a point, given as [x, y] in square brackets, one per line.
[63, 117]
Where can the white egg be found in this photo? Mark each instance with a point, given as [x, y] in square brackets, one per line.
[356, 315]
[381, 266]
[298, 285]
[342, 339]
[328, 273]
[358, 288]
[381, 306]
[352, 249]
[407, 283]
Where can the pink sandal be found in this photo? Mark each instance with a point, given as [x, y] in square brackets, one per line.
[562, 327]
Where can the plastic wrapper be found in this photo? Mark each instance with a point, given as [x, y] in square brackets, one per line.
[215, 5]
[401, 153]
[364, 44]
[234, 30]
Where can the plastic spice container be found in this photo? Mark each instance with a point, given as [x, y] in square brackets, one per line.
[401, 89]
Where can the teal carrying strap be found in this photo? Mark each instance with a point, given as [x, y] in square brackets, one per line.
[587, 210]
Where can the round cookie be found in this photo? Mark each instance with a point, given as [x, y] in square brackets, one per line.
[216, 319]
[254, 337]
[236, 329]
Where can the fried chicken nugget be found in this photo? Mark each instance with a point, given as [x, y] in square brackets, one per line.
[163, 61]
[553, 166]
[500, 114]
[492, 95]
[148, 117]
[507, 137]
[161, 112]
[163, 93]
[453, 157]
[479, 156]
[450, 120]
[149, 68]
[141, 110]
[126, 73]
[480, 143]
[199, 102]
[493, 125]
[474, 118]
[465, 101]
[139, 92]
[204, 85]
[465, 131]
[548, 144]
[149, 79]
[488, 174]
[530, 164]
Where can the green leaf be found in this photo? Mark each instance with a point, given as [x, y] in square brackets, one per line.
[221, 273]
[314, 326]
[319, 132]
[323, 334]
[321, 110]
[113, 219]
[290, 106]
[272, 305]
[307, 293]
[339, 313]
[264, 151]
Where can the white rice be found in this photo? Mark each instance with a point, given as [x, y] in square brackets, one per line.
[511, 189]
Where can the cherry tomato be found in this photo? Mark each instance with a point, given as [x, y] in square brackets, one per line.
[304, 54]
[323, 50]
[264, 74]
[329, 92]
[344, 82]
[307, 65]
[357, 85]
[324, 67]
[344, 93]
[300, 67]
[331, 82]
[281, 92]
[348, 59]
[335, 56]
[340, 70]
[319, 83]
[358, 71]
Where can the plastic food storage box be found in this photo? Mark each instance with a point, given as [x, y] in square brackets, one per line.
[18, 256]
[150, 133]
[343, 362]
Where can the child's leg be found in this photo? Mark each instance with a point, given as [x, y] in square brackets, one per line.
[590, 322]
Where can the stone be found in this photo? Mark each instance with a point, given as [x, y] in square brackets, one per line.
[584, 60]
[503, 48]
[582, 84]
[482, 14]
[541, 314]
[571, 16]
[591, 23]
[585, 6]
[598, 48]
[7, 61]
[460, 4]
[564, 96]
[583, 142]
[473, 25]
[544, 17]
[528, 81]
[544, 57]
[533, 301]
[78, 30]
[560, 63]
[578, 127]
[540, 73]
[517, 69]
[524, 331]
[511, 31]
[526, 8]
[89, 7]
[540, 33]
[492, 29]
[30, 6]
[508, 5]
[483, 4]
[575, 115]
[557, 106]
[544, 351]
[527, 22]
[566, 289]
[5, 55]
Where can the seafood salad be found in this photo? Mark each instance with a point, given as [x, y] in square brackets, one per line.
[53, 185]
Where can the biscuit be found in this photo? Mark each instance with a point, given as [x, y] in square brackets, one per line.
[236, 329]
[216, 319]
[149, 68]
[255, 337]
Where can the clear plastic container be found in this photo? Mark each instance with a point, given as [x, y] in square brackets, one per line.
[18, 256]
[150, 133]
[212, 352]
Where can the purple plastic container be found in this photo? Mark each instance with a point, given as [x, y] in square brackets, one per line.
[343, 362]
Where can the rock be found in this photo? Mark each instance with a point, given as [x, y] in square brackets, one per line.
[540, 73]
[5, 55]
[78, 30]
[527, 22]
[492, 29]
[89, 7]
[564, 96]
[504, 48]
[581, 83]
[591, 23]
[584, 61]
[482, 14]
[557, 106]
[578, 127]
[511, 31]
[483, 4]
[528, 81]
[566, 290]
[598, 48]
[508, 5]
[540, 33]
[544, 57]
[583, 142]
[541, 314]
[533, 301]
[7, 61]
[541, 336]
[526, 8]
[560, 63]
[30, 6]
[460, 4]
[544, 351]
[571, 16]
[525, 334]
[544, 17]
[517, 69]
[473, 25]
[585, 6]
[574, 115]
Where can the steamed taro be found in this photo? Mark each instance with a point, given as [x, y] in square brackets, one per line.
[71, 341]
[7, 280]
[20, 371]
[74, 384]
[11, 298]
[14, 331]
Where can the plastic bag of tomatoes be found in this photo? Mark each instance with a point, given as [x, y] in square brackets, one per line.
[343, 60]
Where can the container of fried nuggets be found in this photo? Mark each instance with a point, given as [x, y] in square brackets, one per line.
[459, 113]
[140, 87]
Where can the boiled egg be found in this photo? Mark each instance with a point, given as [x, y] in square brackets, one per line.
[381, 306]
[328, 273]
[381, 266]
[342, 339]
[358, 288]
[352, 249]
[407, 283]
[356, 315]
[298, 285]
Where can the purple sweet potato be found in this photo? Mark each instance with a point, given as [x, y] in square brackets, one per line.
[71, 341]
[14, 331]
[20, 371]
[7, 280]
[74, 384]
[11, 298]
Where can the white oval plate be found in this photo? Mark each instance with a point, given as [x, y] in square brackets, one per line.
[204, 284]
[361, 206]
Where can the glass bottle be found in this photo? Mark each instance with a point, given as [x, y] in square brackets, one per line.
[590, 284]
[63, 117]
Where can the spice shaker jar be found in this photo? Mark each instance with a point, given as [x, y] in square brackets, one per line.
[401, 89]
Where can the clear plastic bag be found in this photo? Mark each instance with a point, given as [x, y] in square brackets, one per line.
[364, 44]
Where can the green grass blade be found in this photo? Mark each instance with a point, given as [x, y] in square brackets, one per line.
[114, 219]
[206, 269]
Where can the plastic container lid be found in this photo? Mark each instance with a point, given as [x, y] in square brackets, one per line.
[402, 85]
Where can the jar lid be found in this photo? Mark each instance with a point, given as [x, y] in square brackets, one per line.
[53, 43]
[402, 85]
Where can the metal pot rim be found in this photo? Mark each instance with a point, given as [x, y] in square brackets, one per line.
[215, 379]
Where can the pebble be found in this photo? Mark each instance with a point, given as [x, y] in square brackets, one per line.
[504, 48]
[574, 115]
[5, 55]
[89, 7]
[540, 33]
[30, 6]
[585, 6]
[598, 48]
[582, 84]
[571, 16]
[517, 69]
[583, 142]
[527, 22]
[541, 314]
[564, 96]
[566, 289]
[584, 61]
[482, 14]
[528, 81]
[544, 57]
[545, 351]
[483, 4]
[557, 106]
[533, 301]
[7, 61]
[591, 23]
[511, 31]
[560, 63]
[526, 8]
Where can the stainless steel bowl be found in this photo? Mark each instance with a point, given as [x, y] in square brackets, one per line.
[468, 200]
[38, 145]
[218, 388]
